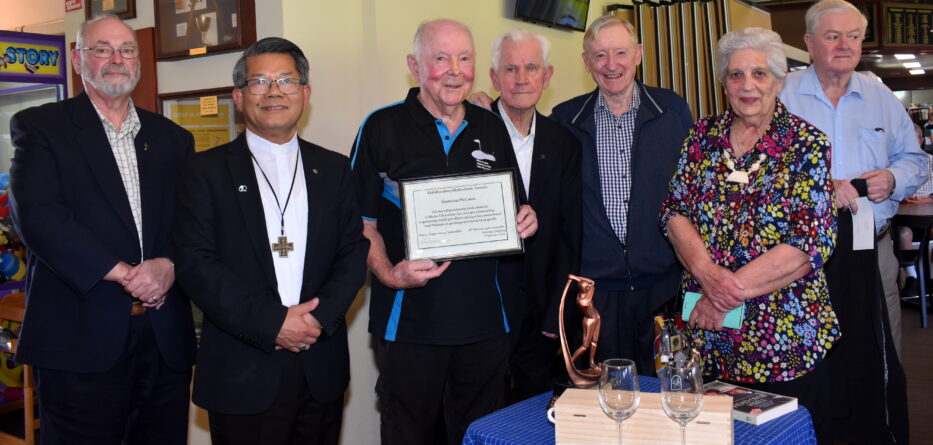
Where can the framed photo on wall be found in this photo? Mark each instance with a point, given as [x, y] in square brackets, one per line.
[210, 115]
[188, 28]
[125, 9]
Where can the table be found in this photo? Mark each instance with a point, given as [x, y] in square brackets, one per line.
[917, 216]
[525, 423]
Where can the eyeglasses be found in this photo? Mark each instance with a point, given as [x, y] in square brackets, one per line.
[106, 51]
[287, 85]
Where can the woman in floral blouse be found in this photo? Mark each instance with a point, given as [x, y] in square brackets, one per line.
[751, 217]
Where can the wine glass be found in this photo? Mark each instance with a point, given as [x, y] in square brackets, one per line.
[682, 393]
[618, 390]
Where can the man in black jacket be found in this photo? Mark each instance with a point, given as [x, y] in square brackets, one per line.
[548, 158]
[631, 136]
[109, 335]
[270, 246]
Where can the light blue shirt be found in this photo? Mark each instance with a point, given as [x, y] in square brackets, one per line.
[869, 130]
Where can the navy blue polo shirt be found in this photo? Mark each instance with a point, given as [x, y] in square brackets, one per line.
[400, 141]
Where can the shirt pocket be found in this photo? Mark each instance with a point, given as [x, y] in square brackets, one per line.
[872, 149]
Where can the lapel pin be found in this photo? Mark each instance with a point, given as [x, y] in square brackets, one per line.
[241, 189]
[145, 146]
[541, 157]
[314, 170]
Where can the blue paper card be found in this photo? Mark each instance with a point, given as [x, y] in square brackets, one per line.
[733, 319]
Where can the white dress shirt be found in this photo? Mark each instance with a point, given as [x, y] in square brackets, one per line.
[278, 163]
[523, 146]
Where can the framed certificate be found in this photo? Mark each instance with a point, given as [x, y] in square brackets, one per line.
[460, 216]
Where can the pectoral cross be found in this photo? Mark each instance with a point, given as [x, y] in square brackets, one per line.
[283, 247]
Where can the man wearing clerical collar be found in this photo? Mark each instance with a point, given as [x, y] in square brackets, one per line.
[270, 247]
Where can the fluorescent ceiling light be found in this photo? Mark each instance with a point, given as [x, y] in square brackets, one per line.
[905, 56]
[917, 72]
[912, 65]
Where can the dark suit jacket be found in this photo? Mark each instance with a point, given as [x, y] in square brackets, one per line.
[72, 212]
[554, 194]
[225, 265]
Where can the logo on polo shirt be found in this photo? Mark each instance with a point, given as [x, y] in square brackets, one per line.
[483, 159]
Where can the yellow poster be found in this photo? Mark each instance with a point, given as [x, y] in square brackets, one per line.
[209, 130]
[24, 58]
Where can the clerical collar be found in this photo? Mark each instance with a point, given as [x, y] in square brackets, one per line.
[259, 145]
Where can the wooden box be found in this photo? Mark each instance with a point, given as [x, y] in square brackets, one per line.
[580, 420]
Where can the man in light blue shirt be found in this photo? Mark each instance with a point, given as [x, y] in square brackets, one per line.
[874, 154]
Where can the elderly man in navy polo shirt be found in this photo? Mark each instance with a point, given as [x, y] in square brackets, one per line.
[439, 330]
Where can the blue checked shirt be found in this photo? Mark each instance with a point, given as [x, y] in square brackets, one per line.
[614, 135]
[927, 188]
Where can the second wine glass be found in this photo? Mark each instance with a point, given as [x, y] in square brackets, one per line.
[618, 390]
[682, 393]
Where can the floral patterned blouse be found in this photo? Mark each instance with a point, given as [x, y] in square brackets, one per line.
[788, 200]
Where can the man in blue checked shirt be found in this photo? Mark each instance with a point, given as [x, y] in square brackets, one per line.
[631, 136]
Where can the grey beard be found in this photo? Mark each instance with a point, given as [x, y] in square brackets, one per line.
[110, 89]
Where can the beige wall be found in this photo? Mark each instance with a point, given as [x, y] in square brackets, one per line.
[357, 52]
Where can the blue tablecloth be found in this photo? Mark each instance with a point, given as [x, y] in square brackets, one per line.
[526, 423]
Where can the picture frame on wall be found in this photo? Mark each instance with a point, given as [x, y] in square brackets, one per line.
[124, 9]
[187, 109]
[191, 28]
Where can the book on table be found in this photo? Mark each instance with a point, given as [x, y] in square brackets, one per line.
[752, 406]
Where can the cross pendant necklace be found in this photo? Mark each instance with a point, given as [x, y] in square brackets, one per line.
[282, 246]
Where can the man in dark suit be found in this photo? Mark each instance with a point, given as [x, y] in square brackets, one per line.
[549, 160]
[92, 181]
[270, 246]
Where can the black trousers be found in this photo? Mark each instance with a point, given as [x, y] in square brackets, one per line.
[138, 401]
[532, 361]
[627, 322]
[420, 383]
[295, 417]
[813, 392]
[869, 388]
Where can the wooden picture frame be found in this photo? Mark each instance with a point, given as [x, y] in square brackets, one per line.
[189, 28]
[209, 131]
[124, 9]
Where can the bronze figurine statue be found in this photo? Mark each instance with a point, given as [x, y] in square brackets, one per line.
[581, 378]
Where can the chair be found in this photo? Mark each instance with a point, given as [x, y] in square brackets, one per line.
[12, 308]
[913, 258]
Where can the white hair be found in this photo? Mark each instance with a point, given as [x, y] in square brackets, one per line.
[762, 40]
[82, 29]
[519, 35]
[419, 34]
[823, 7]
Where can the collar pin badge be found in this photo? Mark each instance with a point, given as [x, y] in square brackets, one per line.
[241, 189]
[314, 170]
[145, 146]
